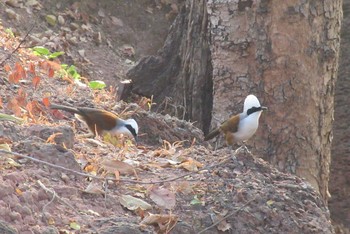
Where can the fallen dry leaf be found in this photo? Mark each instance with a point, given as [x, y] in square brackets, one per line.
[133, 203]
[191, 165]
[162, 197]
[164, 222]
[94, 188]
[115, 165]
[223, 225]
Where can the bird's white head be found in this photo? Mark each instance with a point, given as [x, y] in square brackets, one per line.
[133, 127]
[133, 124]
[250, 101]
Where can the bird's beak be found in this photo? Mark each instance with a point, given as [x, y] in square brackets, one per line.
[136, 139]
[264, 108]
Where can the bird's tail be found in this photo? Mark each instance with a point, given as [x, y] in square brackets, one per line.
[212, 134]
[65, 108]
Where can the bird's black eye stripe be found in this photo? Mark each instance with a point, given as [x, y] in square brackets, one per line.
[131, 129]
[253, 109]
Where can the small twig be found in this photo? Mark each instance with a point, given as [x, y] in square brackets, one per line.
[52, 199]
[227, 216]
[18, 46]
[54, 195]
[120, 180]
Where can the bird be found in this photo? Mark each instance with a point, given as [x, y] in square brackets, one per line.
[240, 127]
[102, 121]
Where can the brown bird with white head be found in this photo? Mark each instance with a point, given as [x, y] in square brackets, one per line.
[101, 121]
[241, 127]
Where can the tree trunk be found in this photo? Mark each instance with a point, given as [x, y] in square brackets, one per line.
[339, 185]
[179, 77]
[285, 52]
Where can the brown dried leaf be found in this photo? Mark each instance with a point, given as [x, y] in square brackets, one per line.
[7, 67]
[31, 68]
[21, 73]
[94, 188]
[22, 97]
[14, 107]
[191, 165]
[164, 222]
[51, 139]
[58, 114]
[46, 102]
[163, 197]
[115, 165]
[36, 81]
[223, 225]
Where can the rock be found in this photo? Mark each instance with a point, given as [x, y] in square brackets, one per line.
[74, 26]
[117, 22]
[11, 14]
[64, 134]
[54, 154]
[61, 20]
[128, 51]
[13, 3]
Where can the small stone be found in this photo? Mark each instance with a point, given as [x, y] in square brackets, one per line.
[81, 53]
[74, 26]
[64, 177]
[11, 14]
[117, 22]
[61, 20]
[13, 3]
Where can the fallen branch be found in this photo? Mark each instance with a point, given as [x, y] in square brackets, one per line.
[121, 180]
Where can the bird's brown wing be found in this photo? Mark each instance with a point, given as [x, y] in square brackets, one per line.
[230, 125]
[99, 119]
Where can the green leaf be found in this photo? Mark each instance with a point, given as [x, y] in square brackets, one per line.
[270, 202]
[64, 66]
[74, 226]
[196, 201]
[97, 84]
[72, 71]
[9, 31]
[51, 19]
[55, 54]
[41, 50]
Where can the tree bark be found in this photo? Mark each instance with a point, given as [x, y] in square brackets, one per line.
[179, 76]
[339, 185]
[286, 53]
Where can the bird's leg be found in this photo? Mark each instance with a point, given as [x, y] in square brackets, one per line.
[246, 148]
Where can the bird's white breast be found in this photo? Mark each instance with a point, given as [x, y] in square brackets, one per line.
[247, 126]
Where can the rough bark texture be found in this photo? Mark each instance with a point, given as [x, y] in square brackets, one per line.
[179, 77]
[285, 52]
[339, 185]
